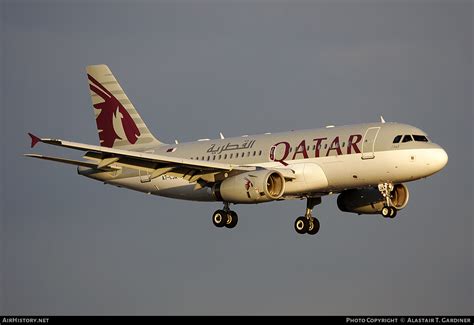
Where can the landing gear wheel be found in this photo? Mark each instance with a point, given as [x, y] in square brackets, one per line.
[386, 211]
[301, 225]
[308, 224]
[313, 227]
[219, 218]
[232, 219]
[393, 212]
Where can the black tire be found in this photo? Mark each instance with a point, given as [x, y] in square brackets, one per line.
[301, 225]
[393, 212]
[232, 219]
[385, 212]
[313, 227]
[219, 218]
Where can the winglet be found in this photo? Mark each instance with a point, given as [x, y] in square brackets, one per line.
[382, 119]
[34, 139]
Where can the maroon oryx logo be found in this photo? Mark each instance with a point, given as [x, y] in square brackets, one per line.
[248, 184]
[108, 112]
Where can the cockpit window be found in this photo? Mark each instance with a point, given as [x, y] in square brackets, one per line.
[420, 138]
[397, 139]
[407, 138]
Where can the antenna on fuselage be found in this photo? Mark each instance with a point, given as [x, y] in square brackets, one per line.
[382, 119]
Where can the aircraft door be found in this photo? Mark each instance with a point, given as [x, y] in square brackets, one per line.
[368, 143]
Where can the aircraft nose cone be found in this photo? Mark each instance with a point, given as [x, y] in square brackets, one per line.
[440, 158]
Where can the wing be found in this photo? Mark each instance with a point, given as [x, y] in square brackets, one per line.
[156, 165]
[68, 161]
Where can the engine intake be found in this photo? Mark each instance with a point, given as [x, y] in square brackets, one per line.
[251, 187]
[371, 201]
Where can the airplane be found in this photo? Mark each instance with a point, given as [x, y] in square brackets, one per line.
[366, 165]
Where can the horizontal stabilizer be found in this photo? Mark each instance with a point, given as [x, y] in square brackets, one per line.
[68, 161]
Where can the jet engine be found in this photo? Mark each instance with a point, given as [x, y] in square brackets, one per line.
[251, 187]
[371, 201]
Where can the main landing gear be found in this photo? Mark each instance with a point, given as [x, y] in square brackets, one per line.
[308, 224]
[387, 211]
[225, 217]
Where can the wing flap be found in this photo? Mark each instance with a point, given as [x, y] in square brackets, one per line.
[69, 161]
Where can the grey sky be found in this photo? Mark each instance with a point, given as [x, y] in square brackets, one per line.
[74, 246]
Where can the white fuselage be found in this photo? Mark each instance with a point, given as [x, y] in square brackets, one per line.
[323, 161]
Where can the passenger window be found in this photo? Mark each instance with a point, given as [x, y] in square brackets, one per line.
[397, 139]
[420, 138]
[214, 158]
[231, 155]
[407, 138]
[248, 154]
[208, 158]
[225, 156]
[243, 154]
[254, 153]
[260, 153]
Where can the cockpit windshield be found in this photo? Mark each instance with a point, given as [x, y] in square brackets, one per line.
[409, 137]
[397, 139]
[420, 138]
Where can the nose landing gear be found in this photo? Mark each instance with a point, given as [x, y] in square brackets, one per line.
[388, 211]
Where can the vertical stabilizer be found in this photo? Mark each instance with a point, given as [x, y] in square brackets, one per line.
[118, 122]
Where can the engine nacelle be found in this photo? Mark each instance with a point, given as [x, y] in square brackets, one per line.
[251, 187]
[370, 201]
